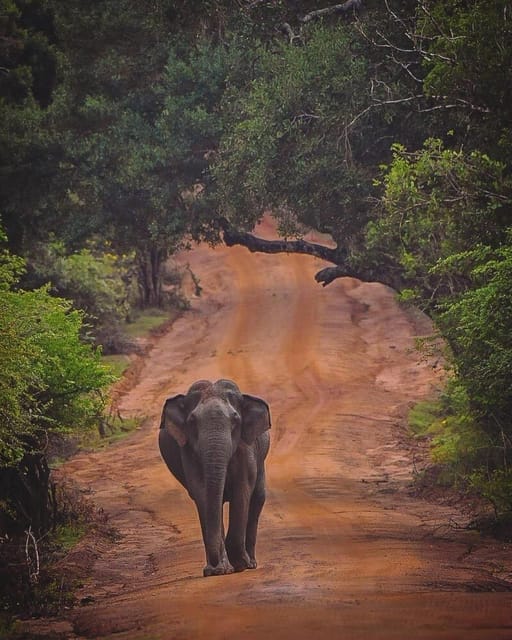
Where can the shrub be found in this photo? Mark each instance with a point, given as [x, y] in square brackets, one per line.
[97, 281]
[50, 382]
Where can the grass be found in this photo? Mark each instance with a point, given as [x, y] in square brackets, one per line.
[143, 325]
[67, 536]
[118, 363]
[147, 321]
[116, 429]
[423, 416]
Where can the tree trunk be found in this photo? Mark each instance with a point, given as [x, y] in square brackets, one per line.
[25, 496]
[150, 276]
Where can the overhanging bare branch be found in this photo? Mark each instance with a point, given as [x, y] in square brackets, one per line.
[354, 5]
[337, 256]
[253, 243]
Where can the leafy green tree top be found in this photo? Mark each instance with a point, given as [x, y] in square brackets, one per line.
[50, 381]
[437, 204]
[290, 147]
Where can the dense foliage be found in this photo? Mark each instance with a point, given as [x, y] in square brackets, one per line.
[147, 124]
[96, 280]
[50, 383]
[438, 206]
[288, 147]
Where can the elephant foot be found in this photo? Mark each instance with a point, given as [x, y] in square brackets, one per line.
[221, 569]
[243, 563]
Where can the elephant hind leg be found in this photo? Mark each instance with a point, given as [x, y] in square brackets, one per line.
[255, 507]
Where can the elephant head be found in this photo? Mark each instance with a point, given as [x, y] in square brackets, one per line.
[214, 425]
[218, 409]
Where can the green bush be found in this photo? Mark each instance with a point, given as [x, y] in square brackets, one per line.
[97, 281]
[468, 456]
[477, 327]
[51, 382]
[496, 487]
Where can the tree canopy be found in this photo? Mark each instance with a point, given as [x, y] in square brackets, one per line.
[387, 125]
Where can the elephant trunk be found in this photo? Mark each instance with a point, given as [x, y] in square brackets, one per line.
[215, 469]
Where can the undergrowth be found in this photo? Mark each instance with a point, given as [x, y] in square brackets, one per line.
[31, 583]
[466, 456]
[110, 430]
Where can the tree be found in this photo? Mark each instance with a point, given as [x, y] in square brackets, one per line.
[137, 143]
[292, 148]
[162, 186]
[437, 204]
[309, 135]
[28, 67]
[476, 324]
[469, 45]
[98, 281]
[50, 383]
[403, 85]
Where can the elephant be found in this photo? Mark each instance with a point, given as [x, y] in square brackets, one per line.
[214, 440]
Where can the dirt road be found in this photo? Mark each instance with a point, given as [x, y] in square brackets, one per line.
[343, 551]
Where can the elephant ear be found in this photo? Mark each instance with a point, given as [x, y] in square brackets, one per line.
[255, 418]
[173, 419]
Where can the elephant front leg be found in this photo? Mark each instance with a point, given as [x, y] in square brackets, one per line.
[223, 567]
[235, 540]
[217, 561]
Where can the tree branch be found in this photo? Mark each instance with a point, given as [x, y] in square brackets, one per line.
[329, 274]
[254, 244]
[337, 256]
[335, 8]
[286, 28]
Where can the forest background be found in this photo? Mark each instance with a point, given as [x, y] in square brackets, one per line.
[131, 129]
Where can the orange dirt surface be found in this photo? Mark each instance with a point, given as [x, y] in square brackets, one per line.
[344, 550]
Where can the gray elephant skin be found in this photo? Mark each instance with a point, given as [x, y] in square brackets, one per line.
[214, 441]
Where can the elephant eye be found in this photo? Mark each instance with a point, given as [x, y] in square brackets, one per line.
[192, 421]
